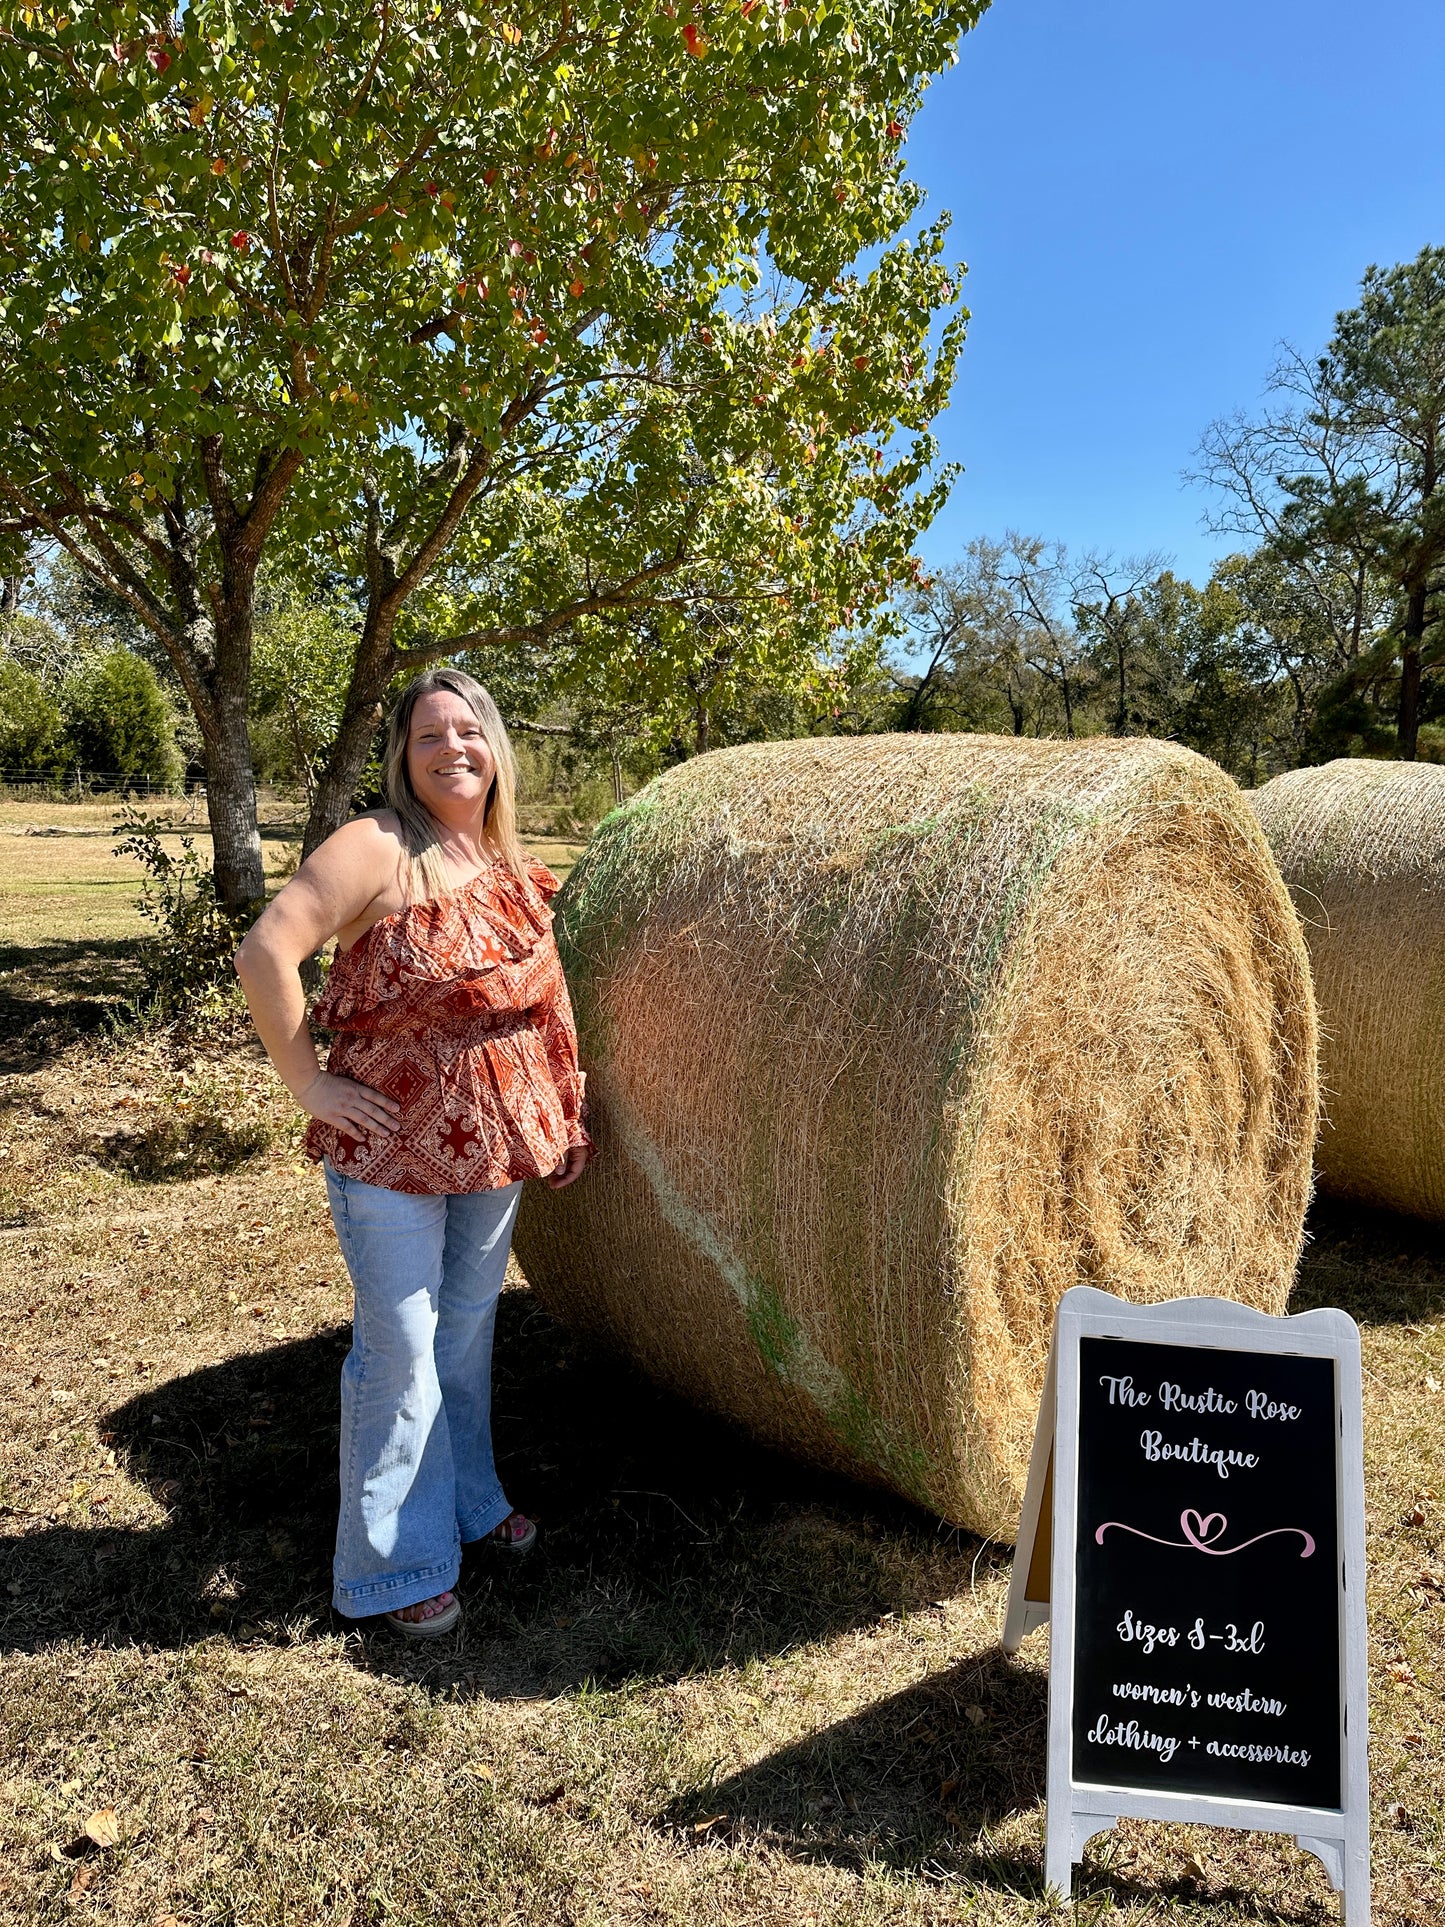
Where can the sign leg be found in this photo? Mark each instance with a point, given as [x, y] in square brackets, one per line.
[1357, 1883]
[1347, 1867]
[1059, 1854]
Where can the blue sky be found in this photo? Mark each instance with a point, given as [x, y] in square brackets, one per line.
[1151, 195]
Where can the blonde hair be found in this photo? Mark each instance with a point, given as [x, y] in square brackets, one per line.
[429, 876]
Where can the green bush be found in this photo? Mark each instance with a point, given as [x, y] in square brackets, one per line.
[32, 729]
[119, 719]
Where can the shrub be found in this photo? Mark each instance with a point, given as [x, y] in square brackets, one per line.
[187, 964]
[120, 720]
[32, 729]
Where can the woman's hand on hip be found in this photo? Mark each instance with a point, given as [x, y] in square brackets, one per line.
[570, 1169]
[353, 1108]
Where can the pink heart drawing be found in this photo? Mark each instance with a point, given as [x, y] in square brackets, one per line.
[1202, 1530]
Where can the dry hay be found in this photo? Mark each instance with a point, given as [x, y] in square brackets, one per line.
[1361, 845]
[892, 1039]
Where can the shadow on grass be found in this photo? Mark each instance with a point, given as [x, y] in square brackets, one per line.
[670, 1545]
[53, 992]
[913, 1782]
[1380, 1268]
[175, 1148]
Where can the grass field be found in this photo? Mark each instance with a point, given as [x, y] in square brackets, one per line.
[724, 1690]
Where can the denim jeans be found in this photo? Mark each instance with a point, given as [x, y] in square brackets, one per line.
[417, 1477]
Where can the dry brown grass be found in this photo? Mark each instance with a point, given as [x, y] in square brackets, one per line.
[723, 1691]
[965, 1020]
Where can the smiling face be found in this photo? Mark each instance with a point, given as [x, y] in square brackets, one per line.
[449, 760]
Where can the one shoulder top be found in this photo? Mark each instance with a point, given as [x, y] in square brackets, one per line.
[456, 1006]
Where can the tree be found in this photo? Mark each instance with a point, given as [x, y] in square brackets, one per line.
[304, 647]
[1312, 637]
[1345, 478]
[996, 629]
[118, 719]
[399, 281]
[1046, 595]
[38, 647]
[1127, 613]
[1230, 702]
[32, 729]
[90, 617]
[688, 680]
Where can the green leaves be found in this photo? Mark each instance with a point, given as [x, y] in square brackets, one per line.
[508, 314]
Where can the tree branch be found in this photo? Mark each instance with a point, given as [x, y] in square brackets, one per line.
[278, 246]
[623, 595]
[442, 530]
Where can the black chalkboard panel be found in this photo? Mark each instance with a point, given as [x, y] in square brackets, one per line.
[1206, 1621]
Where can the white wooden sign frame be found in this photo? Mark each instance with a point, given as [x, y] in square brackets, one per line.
[1042, 1587]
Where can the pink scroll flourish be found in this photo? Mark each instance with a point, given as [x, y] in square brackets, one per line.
[1200, 1532]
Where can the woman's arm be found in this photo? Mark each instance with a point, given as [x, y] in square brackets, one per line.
[334, 888]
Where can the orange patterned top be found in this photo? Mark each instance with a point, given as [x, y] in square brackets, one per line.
[456, 1007]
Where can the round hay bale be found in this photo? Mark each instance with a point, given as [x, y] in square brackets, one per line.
[891, 1039]
[1361, 845]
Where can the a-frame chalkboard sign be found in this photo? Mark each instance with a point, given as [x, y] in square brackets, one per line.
[1193, 1529]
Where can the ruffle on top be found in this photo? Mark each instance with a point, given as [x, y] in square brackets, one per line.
[444, 960]
[457, 1008]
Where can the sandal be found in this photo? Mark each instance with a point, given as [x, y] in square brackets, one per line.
[516, 1533]
[434, 1625]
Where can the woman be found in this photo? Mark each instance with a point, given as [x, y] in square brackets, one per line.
[453, 1076]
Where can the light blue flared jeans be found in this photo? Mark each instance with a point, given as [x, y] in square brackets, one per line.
[417, 1475]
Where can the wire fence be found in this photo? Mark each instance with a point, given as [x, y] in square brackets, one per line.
[80, 783]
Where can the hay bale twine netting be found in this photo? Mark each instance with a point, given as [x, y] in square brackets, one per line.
[891, 1039]
[1362, 847]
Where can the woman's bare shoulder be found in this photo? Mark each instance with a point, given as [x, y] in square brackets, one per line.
[375, 837]
[371, 829]
[357, 861]
[345, 883]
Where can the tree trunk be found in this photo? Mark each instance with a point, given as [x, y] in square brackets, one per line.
[332, 796]
[1408, 727]
[371, 675]
[1122, 718]
[331, 805]
[231, 806]
[1357, 614]
[211, 653]
[298, 748]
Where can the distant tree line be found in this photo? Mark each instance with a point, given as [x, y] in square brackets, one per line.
[1257, 669]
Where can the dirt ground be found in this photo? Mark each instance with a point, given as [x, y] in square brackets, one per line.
[723, 1690]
